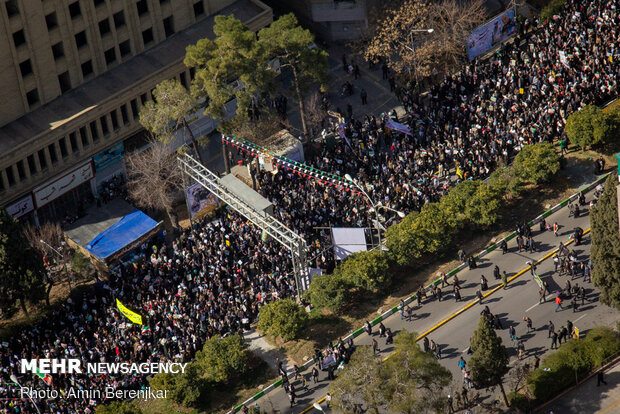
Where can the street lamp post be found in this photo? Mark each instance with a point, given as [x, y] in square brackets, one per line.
[14, 379]
[412, 47]
[374, 207]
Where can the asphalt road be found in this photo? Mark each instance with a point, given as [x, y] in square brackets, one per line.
[511, 305]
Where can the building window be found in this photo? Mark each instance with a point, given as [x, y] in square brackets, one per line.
[32, 97]
[87, 68]
[58, 51]
[143, 7]
[25, 68]
[147, 36]
[104, 125]
[168, 26]
[110, 56]
[63, 147]
[119, 19]
[134, 108]
[42, 160]
[73, 140]
[84, 136]
[19, 38]
[98, 2]
[20, 170]
[51, 21]
[104, 27]
[53, 156]
[32, 166]
[143, 98]
[12, 9]
[183, 79]
[199, 9]
[124, 114]
[93, 131]
[80, 39]
[114, 118]
[65, 82]
[74, 10]
[10, 176]
[124, 48]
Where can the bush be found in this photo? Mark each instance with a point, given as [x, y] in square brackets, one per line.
[591, 126]
[536, 163]
[574, 356]
[223, 359]
[187, 389]
[365, 270]
[119, 407]
[553, 8]
[329, 292]
[283, 318]
[474, 202]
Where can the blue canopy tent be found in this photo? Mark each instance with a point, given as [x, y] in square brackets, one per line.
[122, 236]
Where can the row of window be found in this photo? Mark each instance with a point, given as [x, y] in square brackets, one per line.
[122, 116]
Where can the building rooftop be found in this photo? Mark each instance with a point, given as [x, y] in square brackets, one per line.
[111, 83]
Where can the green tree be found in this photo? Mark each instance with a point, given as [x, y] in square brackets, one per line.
[223, 358]
[360, 381]
[607, 127]
[119, 407]
[328, 291]
[283, 318]
[606, 245]
[169, 109]
[294, 47]
[234, 55]
[580, 126]
[489, 362]
[415, 379]
[474, 201]
[21, 268]
[365, 270]
[536, 163]
[554, 7]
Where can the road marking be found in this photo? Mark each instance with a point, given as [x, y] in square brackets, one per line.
[532, 307]
[613, 405]
[582, 316]
[463, 309]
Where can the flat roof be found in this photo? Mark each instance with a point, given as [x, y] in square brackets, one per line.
[245, 192]
[113, 82]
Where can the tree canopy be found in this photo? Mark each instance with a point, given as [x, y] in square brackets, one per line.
[365, 270]
[489, 361]
[606, 245]
[536, 163]
[22, 272]
[283, 318]
[223, 358]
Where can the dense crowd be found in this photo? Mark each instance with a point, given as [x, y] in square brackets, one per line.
[213, 279]
[468, 123]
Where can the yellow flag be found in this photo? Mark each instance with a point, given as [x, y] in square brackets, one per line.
[227, 243]
[459, 172]
[129, 314]
[521, 91]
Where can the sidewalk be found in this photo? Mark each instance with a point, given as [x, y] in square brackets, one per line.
[588, 398]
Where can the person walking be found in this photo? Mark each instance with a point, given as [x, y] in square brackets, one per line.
[528, 322]
[381, 330]
[484, 284]
[574, 304]
[457, 293]
[556, 263]
[504, 246]
[402, 310]
[512, 332]
[558, 301]
[551, 329]
[368, 328]
[375, 346]
[315, 375]
[556, 227]
[496, 273]
[364, 96]
[479, 296]
[505, 279]
[541, 295]
[462, 364]
[582, 295]
[600, 378]
[554, 340]
[356, 71]
[444, 280]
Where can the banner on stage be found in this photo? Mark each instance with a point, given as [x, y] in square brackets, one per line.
[491, 33]
[129, 314]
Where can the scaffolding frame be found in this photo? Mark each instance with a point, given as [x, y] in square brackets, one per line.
[296, 245]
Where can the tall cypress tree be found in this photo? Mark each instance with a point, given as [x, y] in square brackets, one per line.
[606, 245]
[489, 362]
[21, 267]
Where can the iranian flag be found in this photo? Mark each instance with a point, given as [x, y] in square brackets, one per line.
[146, 329]
[45, 377]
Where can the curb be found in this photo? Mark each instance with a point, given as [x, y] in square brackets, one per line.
[454, 271]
